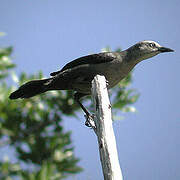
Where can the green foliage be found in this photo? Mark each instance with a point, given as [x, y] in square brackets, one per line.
[33, 127]
[125, 97]
[5, 62]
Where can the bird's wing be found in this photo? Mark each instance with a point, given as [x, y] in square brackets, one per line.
[90, 59]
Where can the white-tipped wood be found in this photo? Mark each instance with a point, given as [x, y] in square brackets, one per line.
[104, 130]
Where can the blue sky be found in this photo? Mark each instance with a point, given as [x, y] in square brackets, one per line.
[47, 34]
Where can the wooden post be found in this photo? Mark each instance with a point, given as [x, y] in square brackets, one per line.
[104, 130]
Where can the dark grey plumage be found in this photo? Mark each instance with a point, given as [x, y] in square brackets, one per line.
[78, 74]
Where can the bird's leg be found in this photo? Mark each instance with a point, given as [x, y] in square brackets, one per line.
[88, 115]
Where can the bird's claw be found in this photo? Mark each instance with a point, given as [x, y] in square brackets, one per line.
[87, 123]
[90, 120]
[107, 83]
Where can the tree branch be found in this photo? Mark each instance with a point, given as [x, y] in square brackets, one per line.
[104, 130]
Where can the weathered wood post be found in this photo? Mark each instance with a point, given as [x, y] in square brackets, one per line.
[104, 130]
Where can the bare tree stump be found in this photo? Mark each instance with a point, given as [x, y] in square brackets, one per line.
[104, 130]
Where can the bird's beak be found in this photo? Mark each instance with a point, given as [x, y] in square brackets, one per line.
[164, 49]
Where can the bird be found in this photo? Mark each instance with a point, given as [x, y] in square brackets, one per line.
[78, 74]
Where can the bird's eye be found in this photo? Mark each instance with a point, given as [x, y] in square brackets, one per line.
[152, 45]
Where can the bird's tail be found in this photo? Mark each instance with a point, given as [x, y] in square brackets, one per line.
[30, 89]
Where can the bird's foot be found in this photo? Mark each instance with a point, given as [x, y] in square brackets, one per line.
[90, 120]
[107, 83]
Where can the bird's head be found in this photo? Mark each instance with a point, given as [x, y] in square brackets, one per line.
[147, 49]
